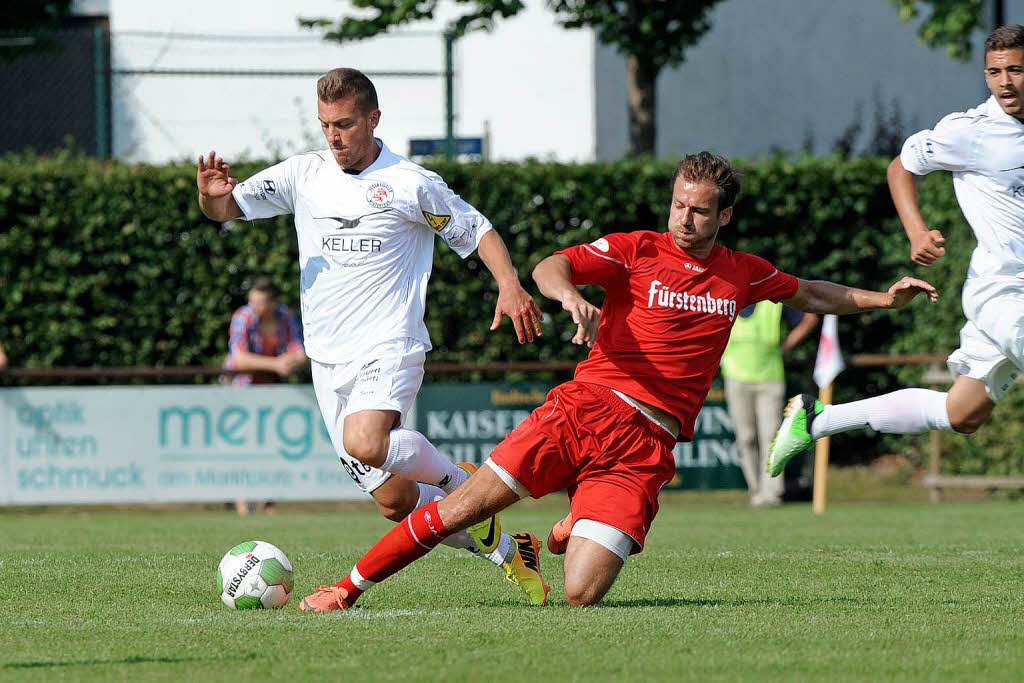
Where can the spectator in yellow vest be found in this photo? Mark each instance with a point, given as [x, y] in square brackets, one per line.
[755, 387]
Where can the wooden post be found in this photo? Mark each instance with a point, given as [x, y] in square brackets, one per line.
[821, 459]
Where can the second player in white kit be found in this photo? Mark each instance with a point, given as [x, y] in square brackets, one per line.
[366, 220]
[984, 149]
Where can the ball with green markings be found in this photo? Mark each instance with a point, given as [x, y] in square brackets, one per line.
[255, 575]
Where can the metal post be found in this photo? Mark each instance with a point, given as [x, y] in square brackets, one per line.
[449, 88]
[101, 67]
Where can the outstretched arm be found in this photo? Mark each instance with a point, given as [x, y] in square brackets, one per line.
[513, 300]
[553, 276]
[215, 186]
[925, 245]
[821, 296]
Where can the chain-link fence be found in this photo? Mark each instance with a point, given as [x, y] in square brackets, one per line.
[155, 97]
[55, 90]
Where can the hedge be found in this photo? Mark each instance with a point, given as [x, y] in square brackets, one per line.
[109, 264]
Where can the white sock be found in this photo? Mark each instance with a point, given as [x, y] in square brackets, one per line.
[412, 456]
[505, 551]
[908, 411]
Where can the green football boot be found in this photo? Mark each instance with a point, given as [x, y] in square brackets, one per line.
[794, 436]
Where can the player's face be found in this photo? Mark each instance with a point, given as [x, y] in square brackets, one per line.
[1004, 74]
[694, 218]
[261, 302]
[349, 132]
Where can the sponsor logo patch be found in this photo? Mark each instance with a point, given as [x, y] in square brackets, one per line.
[269, 187]
[380, 195]
[436, 222]
[601, 245]
[457, 237]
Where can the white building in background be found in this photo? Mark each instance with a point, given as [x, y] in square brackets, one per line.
[770, 75]
[529, 84]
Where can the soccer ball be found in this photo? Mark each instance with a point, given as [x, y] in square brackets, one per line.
[255, 575]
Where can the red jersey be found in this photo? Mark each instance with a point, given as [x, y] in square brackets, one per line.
[667, 316]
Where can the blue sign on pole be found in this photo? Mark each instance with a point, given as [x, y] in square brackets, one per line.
[425, 147]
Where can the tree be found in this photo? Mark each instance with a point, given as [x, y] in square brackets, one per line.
[651, 34]
[950, 23]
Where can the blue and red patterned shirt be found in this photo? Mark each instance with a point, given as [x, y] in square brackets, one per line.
[247, 335]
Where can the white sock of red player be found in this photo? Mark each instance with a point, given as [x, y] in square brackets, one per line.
[501, 555]
[412, 456]
[908, 411]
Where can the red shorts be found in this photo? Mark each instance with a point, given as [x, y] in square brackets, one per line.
[612, 459]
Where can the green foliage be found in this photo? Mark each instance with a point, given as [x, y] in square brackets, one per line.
[108, 264]
[949, 23]
[387, 14]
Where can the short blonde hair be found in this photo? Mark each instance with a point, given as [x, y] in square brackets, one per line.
[340, 83]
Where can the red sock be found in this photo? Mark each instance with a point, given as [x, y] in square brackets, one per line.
[411, 539]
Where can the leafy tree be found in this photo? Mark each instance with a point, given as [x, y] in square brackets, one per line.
[950, 23]
[652, 34]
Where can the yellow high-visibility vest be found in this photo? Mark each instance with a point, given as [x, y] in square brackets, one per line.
[753, 353]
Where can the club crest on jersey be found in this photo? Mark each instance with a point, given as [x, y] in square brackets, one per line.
[380, 195]
[436, 222]
[661, 296]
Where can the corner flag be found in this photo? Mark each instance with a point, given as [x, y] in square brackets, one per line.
[829, 362]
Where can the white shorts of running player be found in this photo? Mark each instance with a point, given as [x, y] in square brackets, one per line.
[992, 342]
[386, 377]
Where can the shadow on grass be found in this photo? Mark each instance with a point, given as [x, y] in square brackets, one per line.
[741, 602]
[134, 659]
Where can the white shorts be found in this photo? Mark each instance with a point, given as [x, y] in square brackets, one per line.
[992, 342]
[387, 377]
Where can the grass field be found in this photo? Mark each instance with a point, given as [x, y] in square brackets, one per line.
[870, 592]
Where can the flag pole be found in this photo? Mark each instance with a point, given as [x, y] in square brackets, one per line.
[821, 447]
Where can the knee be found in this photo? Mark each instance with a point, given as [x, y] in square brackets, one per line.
[369, 449]
[582, 595]
[965, 425]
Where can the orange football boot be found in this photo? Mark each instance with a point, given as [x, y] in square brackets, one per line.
[325, 599]
[558, 539]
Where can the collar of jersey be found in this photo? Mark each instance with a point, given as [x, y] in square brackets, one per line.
[993, 109]
[685, 256]
[384, 159]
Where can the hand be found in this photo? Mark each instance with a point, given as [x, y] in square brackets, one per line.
[586, 316]
[514, 302]
[901, 293]
[284, 365]
[212, 177]
[926, 247]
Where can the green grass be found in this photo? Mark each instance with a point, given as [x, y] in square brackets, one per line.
[869, 592]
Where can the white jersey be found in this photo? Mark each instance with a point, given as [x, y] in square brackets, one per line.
[984, 148]
[366, 244]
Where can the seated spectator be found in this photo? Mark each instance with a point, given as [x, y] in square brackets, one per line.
[264, 339]
[266, 343]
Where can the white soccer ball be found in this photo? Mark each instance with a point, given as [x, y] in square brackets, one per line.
[255, 575]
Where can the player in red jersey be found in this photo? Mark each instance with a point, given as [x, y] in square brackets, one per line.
[607, 435]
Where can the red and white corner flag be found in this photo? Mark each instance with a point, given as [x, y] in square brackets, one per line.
[829, 362]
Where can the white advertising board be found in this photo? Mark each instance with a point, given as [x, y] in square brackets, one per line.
[166, 444]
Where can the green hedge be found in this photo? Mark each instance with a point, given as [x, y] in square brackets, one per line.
[104, 263]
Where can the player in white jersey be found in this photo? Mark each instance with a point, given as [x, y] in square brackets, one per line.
[984, 149]
[366, 219]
